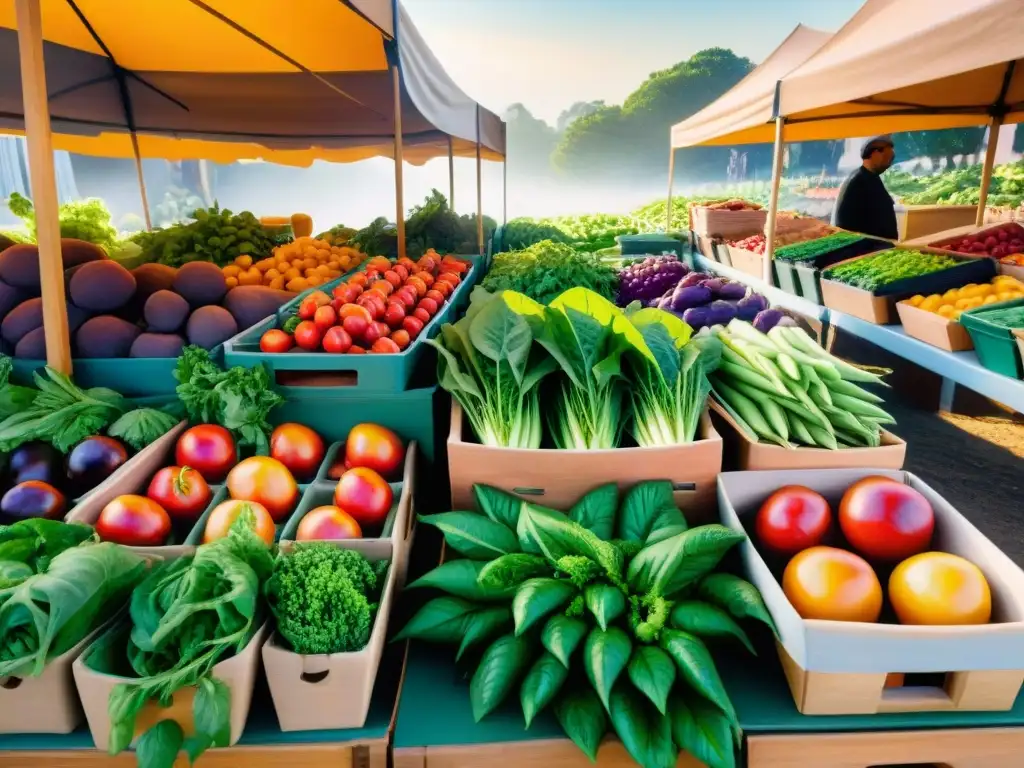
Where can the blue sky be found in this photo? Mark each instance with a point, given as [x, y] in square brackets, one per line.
[548, 54]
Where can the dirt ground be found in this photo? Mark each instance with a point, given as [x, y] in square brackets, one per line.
[974, 457]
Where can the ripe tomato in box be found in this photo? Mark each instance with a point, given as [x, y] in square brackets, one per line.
[374, 447]
[793, 519]
[181, 491]
[885, 520]
[275, 341]
[207, 448]
[337, 340]
[832, 584]
[308, 336]
[327, 523]
[298, 447]
[325, 318]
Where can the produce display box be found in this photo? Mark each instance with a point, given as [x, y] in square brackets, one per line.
[1018, 336]
[879, 306]
[704, 245]
[915, 221]
[328, 691]
[836, 668]
[943, 240]
[803, 278]
[932, 328]
[131, 376]
[996, 346]
[238, 673]
[722, 223]
[558, 478]
[263, 743]
[369, 373]
[742, 453]
[654, 244]
[435, 728]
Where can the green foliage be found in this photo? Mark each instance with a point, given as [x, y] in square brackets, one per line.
[216, 235]
[629, 652]
[87, 220]
[28, 546]
[323, 598]
[879, 269]
[545, 270]
[811, 249]
[186, 616]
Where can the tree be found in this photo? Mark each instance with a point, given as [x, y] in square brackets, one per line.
[632, 139]
[530, 140]
[939, 145]
[577, 110]
[818, 156]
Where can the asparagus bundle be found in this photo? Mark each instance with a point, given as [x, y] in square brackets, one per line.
[783, 388]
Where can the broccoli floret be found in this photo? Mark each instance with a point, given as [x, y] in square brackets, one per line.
[322, 596]
[580, 570]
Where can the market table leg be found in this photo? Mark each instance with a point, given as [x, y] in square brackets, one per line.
[947, 395]
[963, 748]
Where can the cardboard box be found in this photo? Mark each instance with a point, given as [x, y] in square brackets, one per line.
[238, 673]
[133, 478]
[330, 691]
[916, 221]
[843, 667]
[557, 478]
[45, 704]
[396, 541]
[933, 328]
[723, 223]
[743, 453]
[747, 262]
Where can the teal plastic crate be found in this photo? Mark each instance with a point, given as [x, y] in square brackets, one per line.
[995, 344]
[131, 376]
[649, 244]
[377, 373]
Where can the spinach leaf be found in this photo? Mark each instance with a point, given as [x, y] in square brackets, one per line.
[142, 426]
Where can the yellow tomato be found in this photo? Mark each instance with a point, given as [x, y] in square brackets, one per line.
[951, 295]
[932, 303]
[832, 584]
[297, 284]
[244, 261]
[232, 270]
[984, 290]
[231, 282]
[915, 301]
[963, 304]
[938, 588]
[947, 311]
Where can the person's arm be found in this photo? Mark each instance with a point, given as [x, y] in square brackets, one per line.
[887, 226]
[851, 206]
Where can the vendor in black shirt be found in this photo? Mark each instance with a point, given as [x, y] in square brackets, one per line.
[864, 205]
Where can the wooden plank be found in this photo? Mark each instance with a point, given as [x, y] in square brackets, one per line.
[42, 176]
[409, 757]
[961, 748]
[550, 753]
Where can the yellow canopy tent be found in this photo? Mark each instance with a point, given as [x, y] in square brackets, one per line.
[224, 80]
[901, 65]
[748, 105]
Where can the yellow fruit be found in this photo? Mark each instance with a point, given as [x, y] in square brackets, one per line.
[947, 311]
[937, 588]
[951, 295]
[231, 270]
[984, 290]
[277, 283]
[231, 282]
[302, 224]
[244, 261]
[960, 304]
[291, 273]
[314, 280]
[990, 300]
[270, 274]
[332, 265]
[297, 284]
[915, 301]
[931, 304]
[251, 276]
[323, 270]
[1005, 296]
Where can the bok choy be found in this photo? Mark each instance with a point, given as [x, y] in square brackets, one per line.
[669, 391]
[488, 362]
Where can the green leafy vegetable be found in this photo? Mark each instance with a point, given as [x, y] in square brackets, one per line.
[610, 648]
[34, 542]
[239, 399]
[885, 267]
[811, 249]
[547, 269]
[142, 426]
[87, 220]
[323, 598]
[216, 235]
[51, 611]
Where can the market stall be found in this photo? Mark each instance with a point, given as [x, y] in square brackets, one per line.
[383, 93]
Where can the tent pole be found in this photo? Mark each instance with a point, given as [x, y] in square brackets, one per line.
[39, 141]
[479, 189]
[773, 200]
[986, 170]
[671, 178]
[504, 191]
[142, 181]
[399, 181]
[451, 175]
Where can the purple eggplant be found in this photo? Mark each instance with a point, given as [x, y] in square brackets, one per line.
[787, 322]
[748, 307]
[768, 319]
[684, 298]
[696, 317]
[720, 313]
[694, 278]
[732, 290]
[715, 285]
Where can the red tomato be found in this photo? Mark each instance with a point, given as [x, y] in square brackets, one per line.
[418, 284]
[224, 515]
[436, 295]
[793, 519]
[832, 584]
[308, 308]
[443, 288]
[371, 334]
[337, 340]
[308, 336]
[374, 447]
[298, 447]
[355, 349]
[374, 303]
[401, 270]
[134, 521]
[209, 449]
[325, 318]
[401, 338]
[408, 296]
[885, 519]
[449, 277]
[393, 277]
[429, 305]
[365, 495]
[355, 326]
[266, 481]
[422, 315]
[384, 328]
[275, 341]
[327, 523]
[181, 491]
[321, 298]
[359, 278]
[394, 315]
[413, 326]
[385, 346]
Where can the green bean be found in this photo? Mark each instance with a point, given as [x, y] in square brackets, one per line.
[748, 411]
[860, 407]
[850, 389]
[798, 429]
[748, 375]
[823, 437]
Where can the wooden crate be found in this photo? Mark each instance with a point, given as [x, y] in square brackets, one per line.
[550, 753]
[950, 748]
